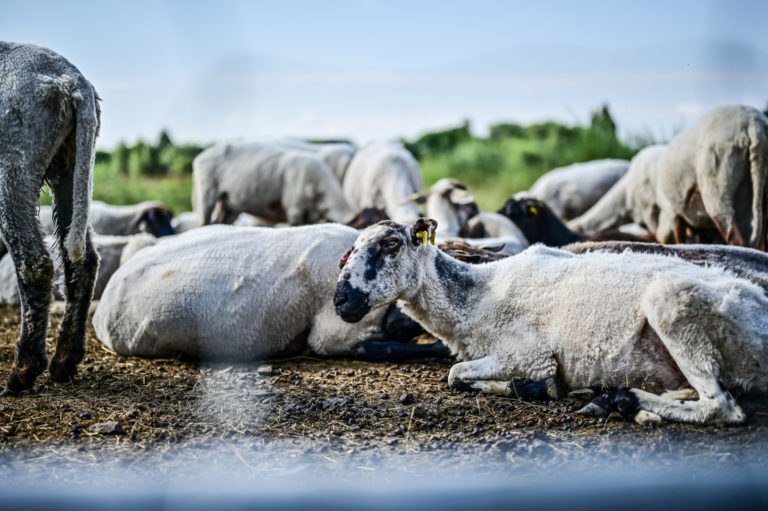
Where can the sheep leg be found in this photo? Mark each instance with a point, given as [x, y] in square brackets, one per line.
[21, 232]
[680, 231]
[527, 390]
[488, 375]
[395, 351]
[682, 314]
[79, 278]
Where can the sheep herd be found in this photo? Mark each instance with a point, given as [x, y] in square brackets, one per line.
[645, 280]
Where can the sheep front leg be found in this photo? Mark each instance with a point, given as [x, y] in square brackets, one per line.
[489, 376]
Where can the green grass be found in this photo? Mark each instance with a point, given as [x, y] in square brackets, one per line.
[114, 188]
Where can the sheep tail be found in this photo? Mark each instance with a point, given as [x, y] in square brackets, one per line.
[87, 119]
[758, 159]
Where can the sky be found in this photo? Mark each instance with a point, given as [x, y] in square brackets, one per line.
[375, 69]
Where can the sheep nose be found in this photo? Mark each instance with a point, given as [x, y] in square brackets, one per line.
[340, 298]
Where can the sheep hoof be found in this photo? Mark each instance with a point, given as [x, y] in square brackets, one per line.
[62, 372]
[592, 410]
[645, 417]
[20, 380]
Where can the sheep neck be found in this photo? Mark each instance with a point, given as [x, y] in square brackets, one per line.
[445, 299]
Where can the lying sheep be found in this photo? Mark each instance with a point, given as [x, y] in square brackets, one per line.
[540, 224]
[267, 180]
[148, 216]
[456, 211]
[109, 248]
[572, 190]
[49, 120]
[711, 177]
[591, 319]
[235, 293]
[384, 175]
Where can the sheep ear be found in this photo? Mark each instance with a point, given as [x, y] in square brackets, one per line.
[423, 231]
[461, 197]
[418, 198]
[344, 259]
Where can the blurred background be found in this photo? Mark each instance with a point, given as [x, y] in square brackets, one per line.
[493, 93]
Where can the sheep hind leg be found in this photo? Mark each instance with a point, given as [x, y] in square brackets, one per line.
[682, 314]
[79, 279]
[34, 272]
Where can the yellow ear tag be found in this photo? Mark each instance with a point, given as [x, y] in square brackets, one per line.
[432, 238]
[415, 196]
[423, 236]
[533, 209]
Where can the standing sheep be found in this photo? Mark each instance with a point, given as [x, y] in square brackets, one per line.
[336, 155]
[384, 175]
[267, 180]
[712, 176]
[592, 319]
[49, 120]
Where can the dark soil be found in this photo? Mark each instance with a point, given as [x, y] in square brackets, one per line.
[306, 414]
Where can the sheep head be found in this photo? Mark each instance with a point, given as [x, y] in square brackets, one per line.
[382, 266]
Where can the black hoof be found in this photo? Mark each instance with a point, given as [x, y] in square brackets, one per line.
[20, 380]
[62, 372]
[622, 401]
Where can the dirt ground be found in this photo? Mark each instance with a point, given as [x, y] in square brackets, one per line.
[305, 414]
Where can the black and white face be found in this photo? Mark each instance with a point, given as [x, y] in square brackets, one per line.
[382, 266]
[156, 221]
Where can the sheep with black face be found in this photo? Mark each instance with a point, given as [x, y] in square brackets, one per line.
[596, 319]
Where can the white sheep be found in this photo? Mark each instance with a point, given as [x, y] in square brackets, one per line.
[267, 180]
[384, 175]
[49, 120]
[458, 216]
[236, 293]
[108, 219]
[572, 190]
[337, 155]
[616, 320]
[711, 177]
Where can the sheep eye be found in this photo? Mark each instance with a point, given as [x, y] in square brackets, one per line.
[392, 243]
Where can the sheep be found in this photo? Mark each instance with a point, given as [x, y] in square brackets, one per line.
[746, 263]
[711, 177]
[384, 175]
[455, 210]
[148, 216]
[109, 249]
[590, 319]
[49, 120]
[337, 155]
[235, 293]
[267, 180]
[572, 190]
[540, 224]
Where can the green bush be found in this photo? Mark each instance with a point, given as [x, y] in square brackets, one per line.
[514, 156]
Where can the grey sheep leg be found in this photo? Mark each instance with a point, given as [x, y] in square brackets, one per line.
[79, 278]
